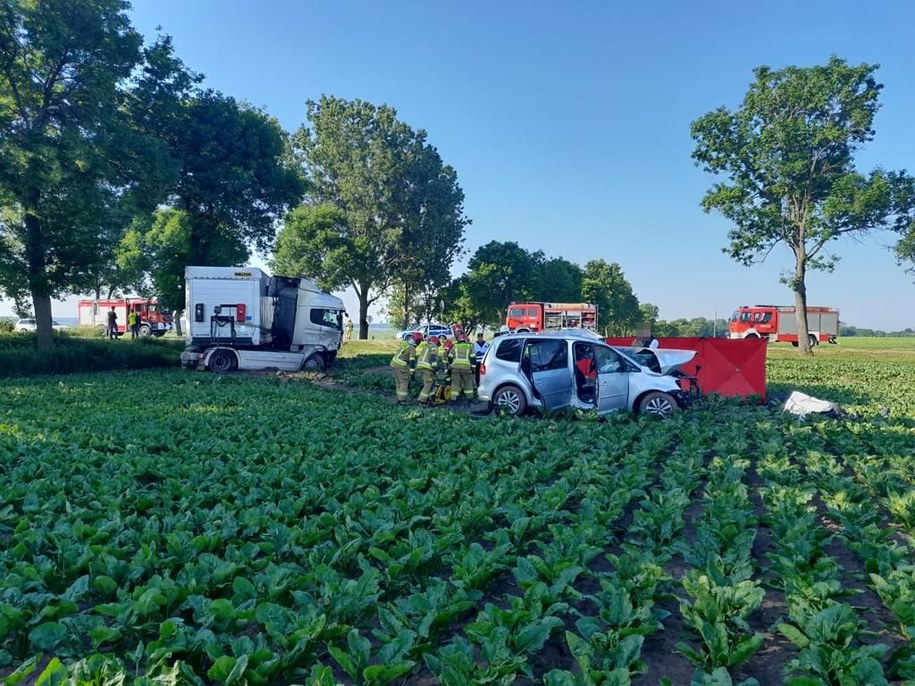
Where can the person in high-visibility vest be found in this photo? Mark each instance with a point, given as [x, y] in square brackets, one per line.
[427, 364]
[401, 365]
[462, 359]
[133, 321]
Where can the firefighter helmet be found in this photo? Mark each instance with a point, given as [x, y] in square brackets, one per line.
[417, 337]
[433, 340]
[448, 344]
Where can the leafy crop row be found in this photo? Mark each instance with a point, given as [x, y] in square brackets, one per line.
[187, 528]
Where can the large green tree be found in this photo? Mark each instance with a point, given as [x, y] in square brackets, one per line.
[556, 279]
[499, 273]
[605, 285]
[158, 94]
[787, 154]
[234, 182]
[400, 207]
[67, 151]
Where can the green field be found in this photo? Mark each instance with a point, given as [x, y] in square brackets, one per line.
[169, 527]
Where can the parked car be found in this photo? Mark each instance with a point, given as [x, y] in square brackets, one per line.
[30, 325]
[426, 330]
[574, 369]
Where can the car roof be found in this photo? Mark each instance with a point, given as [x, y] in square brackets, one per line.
[566, 335]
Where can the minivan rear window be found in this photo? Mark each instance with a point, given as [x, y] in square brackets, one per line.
[509, 350]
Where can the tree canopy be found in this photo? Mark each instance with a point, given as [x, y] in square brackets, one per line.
[68, 155]
[397, 214]
[605, 285]
[787, 154]
[500, 273]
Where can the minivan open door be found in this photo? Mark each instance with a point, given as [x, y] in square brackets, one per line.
[546, 364]
[612, 379]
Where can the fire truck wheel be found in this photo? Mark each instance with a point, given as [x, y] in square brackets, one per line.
[314, 362]
[145, 330]
[102, 329]
[658, 404]
[812, 340]
[222, 361]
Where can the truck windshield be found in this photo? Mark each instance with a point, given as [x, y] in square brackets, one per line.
[331, 318]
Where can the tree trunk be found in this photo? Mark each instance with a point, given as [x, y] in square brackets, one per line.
[42, 303]
[800, 302]
[363, 295]
[176, 319]
[37, 278]
[406, 307]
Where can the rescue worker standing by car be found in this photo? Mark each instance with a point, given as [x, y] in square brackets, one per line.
[462, 369]
[401, 365]
[480, 347]
[427, 364]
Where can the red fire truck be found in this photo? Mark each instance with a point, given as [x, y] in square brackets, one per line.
[153, 321]
[551, 316]
[779, 323]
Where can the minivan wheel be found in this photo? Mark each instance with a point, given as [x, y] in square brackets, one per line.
[510, 399]
[659, 404]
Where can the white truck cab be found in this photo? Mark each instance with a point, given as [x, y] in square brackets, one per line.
[241, 318]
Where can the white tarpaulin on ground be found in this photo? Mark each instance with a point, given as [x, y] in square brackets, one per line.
[800, 404]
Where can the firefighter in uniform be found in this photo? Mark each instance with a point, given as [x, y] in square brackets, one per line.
[427, 364]
[462, 359]
[401, 365]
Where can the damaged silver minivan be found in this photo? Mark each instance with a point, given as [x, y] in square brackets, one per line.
[574, 368]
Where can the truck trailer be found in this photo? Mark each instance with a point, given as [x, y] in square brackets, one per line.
[242, 318]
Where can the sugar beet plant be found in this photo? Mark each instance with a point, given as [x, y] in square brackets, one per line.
[162, 527]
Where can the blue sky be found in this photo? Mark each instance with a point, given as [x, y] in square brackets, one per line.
[568, 123]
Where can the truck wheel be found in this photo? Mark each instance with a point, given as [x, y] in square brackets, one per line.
[659, 404]
[812, 340]
[145, 330]
[222, 361]
[510, 399]
[314, 362]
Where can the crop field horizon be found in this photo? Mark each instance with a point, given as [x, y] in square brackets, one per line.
[171, 527]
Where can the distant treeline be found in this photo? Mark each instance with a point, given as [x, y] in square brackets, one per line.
[845, 330]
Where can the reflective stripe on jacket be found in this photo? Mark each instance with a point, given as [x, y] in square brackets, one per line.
[403, 356]
[428, 358]
[461, 354]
